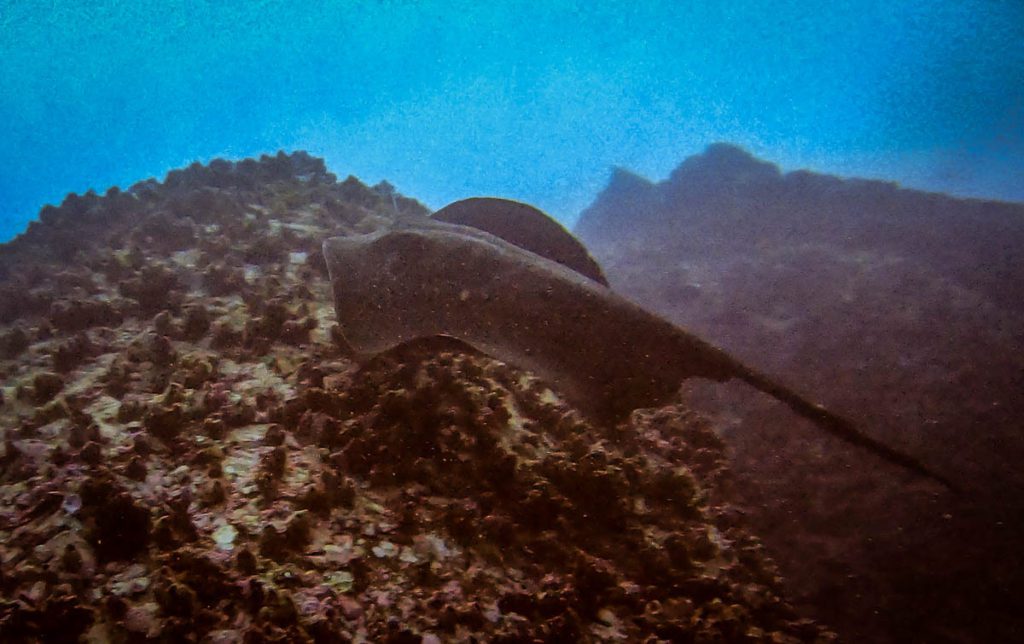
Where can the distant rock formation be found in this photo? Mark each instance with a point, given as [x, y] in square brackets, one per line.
[905, 310]
[725, 197]
[626, 192]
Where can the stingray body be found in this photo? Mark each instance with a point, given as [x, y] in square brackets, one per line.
[606, 355]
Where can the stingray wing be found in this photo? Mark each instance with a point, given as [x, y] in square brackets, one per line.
[526, 227]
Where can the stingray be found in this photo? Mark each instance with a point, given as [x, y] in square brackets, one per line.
[420, 278]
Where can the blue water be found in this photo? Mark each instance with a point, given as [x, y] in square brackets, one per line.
[531, 100]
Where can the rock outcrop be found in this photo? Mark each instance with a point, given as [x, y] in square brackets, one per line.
[189, 452]
[904, 309]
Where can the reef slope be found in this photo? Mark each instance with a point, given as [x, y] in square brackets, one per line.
[189, 452]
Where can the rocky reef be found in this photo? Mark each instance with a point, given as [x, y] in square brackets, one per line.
[189, 453]
[903, 310]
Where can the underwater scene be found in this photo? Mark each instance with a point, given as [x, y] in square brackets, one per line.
[425, 321]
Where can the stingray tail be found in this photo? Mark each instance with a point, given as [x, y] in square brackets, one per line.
[840, 427]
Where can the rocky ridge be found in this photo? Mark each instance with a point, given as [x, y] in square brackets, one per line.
[189, 453]
[900, 310]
